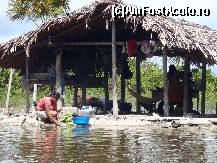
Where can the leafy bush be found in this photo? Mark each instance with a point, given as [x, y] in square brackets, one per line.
[151, 78]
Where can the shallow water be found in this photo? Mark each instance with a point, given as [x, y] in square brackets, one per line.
[88, 144]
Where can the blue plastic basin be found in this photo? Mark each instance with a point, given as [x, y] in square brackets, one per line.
[81, 120]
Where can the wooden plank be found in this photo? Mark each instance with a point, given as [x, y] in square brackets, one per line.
[203, 91]
[89, 85]
[93, 43]
[40, 76]
[68, 83]
[90, 43]
[75, 79]
[114, 71]
[186, 78]
[45, 82]
[165, 83]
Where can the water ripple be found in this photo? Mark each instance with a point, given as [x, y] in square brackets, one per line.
[86, 144]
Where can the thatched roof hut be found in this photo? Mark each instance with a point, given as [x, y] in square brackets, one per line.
[59, 41]
[93, 23]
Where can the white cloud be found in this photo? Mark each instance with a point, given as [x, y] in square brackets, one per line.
[4, 39]
[4, 6]
[80, 3]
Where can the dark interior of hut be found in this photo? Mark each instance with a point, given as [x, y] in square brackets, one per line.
[92, 63]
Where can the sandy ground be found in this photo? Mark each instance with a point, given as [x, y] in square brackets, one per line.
[120, 120]
[17, 118]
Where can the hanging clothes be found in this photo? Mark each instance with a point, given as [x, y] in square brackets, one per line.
[147, 47]
[132, 48]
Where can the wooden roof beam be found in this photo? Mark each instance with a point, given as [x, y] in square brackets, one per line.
[90, 43]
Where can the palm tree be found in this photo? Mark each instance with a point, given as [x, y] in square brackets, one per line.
[36, 9]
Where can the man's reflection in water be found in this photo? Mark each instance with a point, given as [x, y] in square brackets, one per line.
[46, 144]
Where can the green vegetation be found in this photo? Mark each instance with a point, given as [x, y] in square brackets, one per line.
[67, 119]
[151, 78]
[34, 9]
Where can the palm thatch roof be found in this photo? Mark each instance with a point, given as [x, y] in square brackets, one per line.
[93, 23]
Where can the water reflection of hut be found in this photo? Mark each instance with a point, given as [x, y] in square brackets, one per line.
[89, 42]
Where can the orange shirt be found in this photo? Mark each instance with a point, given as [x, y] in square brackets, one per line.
[47, 101]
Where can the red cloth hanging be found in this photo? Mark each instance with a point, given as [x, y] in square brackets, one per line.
[132, 48]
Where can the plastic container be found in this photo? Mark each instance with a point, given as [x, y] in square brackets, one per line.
[86, 111]
[81, 120]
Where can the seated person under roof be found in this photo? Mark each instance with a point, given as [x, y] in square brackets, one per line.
[175, 88]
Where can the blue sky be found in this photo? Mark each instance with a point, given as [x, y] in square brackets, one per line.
[10, 29]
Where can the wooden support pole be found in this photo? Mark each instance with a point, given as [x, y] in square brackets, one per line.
[34, 96]
[216, 108]
[75, 96]
[84, 91]
[123, 88]
[52, 88]
[106, 92]
[123, 83]
[138, 83]
[186, 79]
[114, 70]
[58, 78]
[84, 79]
[198, 101]
[27, 79]
[203, 93]
[9, 89]
[165, 83]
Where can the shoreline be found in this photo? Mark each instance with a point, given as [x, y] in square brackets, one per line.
[120, 120]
